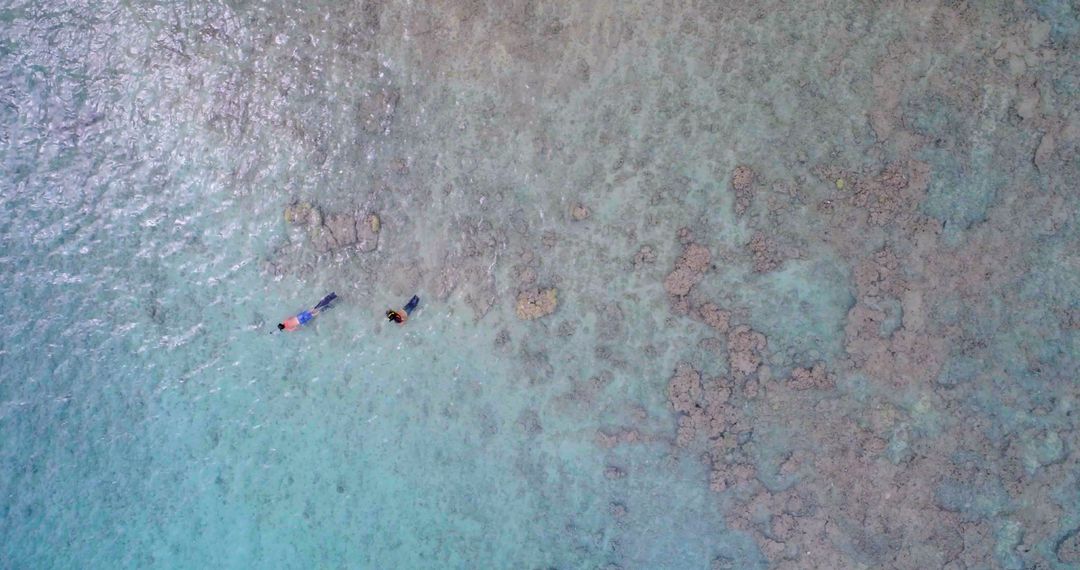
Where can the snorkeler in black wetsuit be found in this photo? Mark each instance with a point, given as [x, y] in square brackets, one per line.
[400, 317]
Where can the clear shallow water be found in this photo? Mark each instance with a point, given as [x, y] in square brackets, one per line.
[149, 420]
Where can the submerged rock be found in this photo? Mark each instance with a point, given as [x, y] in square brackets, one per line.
[302, 214]
[764, 250]
[579, 212]
[745, 348]
[1068, 548]
[689, 270]
[742, 181]
[684, 388]
[702, 405]
[344, 230]
[376, 110]
[336, 230]
[608, 440]
[646, 255]
[714, 316]
[742, 177]
[613, 472]
[723, 477]
[536, 303]
[812, 378]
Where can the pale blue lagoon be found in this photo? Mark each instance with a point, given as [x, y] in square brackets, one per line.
[703, 284]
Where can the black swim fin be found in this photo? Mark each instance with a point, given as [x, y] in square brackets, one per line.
[411, 305]
[325, 303]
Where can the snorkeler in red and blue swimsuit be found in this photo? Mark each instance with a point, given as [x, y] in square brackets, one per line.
[293, 323]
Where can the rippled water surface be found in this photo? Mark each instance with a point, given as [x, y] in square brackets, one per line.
[816, 275]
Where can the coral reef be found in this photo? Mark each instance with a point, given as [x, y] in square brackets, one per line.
[922, 181]
[918, 437]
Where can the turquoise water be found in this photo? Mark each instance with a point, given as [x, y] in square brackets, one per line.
[913, 207]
